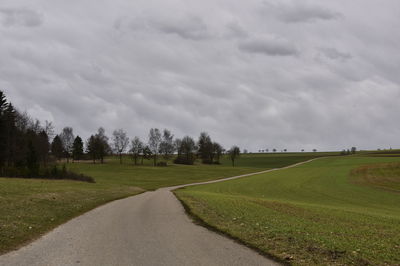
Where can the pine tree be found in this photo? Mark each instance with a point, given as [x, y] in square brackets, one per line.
[57, 149]
[77, 148]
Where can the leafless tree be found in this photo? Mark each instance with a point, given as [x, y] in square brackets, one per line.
[120, 142]
[136, 149]
[167, 147]
[67, 139]
[234, 152]
[154, 143]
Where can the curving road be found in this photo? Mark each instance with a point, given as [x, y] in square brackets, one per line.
[148, 229]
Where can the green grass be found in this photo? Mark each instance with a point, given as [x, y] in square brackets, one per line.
[29, 208]
[310, 214]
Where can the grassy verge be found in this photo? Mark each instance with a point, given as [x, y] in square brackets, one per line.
[308, 215]
[29, 207]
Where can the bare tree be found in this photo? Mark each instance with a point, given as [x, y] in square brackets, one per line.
[49, 129]
[186, 151]
[137, 147]
[167, 146]
[102, 147]
[67, 139]
[154, 143]
[120, 141]
[234, 152]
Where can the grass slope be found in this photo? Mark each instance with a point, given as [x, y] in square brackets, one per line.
[29, 208]
[309, 214]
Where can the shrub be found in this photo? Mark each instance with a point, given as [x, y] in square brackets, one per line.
[50, 172]
[162, 164]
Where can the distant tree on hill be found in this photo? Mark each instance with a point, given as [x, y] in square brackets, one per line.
[91, 148]
[67, 139]
[186, 151]
[154, 143]
[167, 147]
[102, 147]
[57, 149]
[314, 150]
[120, 141]
[136, 149]
[234, 153]
[353, 150]
[216, 152]
[147, 154]
[77, 150]
[205, 148]
[274, 150]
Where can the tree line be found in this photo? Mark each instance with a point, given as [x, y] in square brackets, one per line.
[25, 146]
[29, 148]
[160, 145]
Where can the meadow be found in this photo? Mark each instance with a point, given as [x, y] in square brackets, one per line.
[31, 207]
[331, 211]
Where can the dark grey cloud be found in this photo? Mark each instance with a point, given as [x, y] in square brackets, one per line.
[20, 17]
[334, 54]
[295, 11]
[251, 78]
[268, 46]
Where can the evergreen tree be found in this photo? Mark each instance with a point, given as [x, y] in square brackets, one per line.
[32, 160]
[77, 149]
[57, 148]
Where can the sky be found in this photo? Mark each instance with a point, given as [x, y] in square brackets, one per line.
[284, 74]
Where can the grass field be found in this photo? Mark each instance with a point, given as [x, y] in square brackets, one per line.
[29, 208]
[322, 212]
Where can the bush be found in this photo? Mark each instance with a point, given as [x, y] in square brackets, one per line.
[52, 172]
[162, 164]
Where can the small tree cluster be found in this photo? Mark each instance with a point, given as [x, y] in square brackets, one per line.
[208, 151]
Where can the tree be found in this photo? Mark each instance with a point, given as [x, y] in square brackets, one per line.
[147, 154]
[216, 152]
[49, 129]
[43, 146]
[67, 139]
[77, 150]
[120, 141]
[91, 147]
[205, 150]
[102, 148]
[234, 153]
[314, 150]
[274, 150]
[154, 143]
[32, 160]
[57, 149]
[136, 148]
[167, 147]
[186, 151]
[3, 129]
[353, 150]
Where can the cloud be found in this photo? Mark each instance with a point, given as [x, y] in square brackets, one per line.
[185, 26]
[20, 17]
[258, 81]
[296, 12]
[268, 46]
[334, 54]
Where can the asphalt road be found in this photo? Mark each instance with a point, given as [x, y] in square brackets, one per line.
[148, 229]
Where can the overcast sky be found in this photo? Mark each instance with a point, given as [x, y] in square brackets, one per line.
[259, 74]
